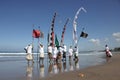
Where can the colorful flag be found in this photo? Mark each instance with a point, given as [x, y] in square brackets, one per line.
[56, 41]
[36, 33]
[41, 34]
[51, 36]
[62, 36]
[84, 35]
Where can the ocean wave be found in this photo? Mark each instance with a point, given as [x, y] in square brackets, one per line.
[24, 54]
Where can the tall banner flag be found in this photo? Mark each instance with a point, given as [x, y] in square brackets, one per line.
[63, 32]
[56, 41]
[75, 25]
[83, 34]
[36, 33]
[51, 35]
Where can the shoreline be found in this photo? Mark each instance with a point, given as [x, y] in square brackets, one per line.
[89, 67]
[107, 71]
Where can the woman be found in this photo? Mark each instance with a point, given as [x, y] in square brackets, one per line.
[29, 55]
[41, 51]
[70, 51]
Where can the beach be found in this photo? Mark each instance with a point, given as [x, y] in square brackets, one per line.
[107, 71]
[91, 66]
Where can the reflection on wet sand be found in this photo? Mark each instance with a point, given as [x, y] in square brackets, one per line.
[29, 72]
[77, 64]
[42, 74]
[55, 68]
[71, 66]
[108, 59]
[59, 67]
[64, 66]
[50, 69]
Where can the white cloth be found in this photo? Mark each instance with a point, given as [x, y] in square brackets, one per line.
[41, 51]
[29, 52]
[61, 50]
[65, 48]
[50, 49]
[29, 48]
[108, 51]
[76, 51]
[70, 51]
[29, 56]
[55, 52]
[107, 48]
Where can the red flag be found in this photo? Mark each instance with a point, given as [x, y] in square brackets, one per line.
[36, 33]
[41, 34]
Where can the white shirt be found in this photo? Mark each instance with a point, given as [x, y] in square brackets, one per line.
[107, 48]
[76, 51]
[41, 50]
[61, 50]
[65, 48]
[50, 49]
[29, 49]
[70, 51]
[55, 52]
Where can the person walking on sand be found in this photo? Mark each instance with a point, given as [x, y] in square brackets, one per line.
[55, 53]
[75, 51]
[41, 51]
[64, 52]
[29, 55]
[108, 52]
[59, 54]
[50, 53]
[70, 52]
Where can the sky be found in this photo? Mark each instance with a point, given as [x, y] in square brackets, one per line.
[101, 22]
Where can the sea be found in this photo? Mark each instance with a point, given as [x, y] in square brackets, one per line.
[13, 65]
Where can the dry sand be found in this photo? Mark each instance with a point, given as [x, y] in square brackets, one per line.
[108, 71]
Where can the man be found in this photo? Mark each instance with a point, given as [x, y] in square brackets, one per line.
[64, 52]
[55, 53]
[29, 55]
[41, 51]
[108, 52]
[75, 53]
[70, 51]
[50, 53]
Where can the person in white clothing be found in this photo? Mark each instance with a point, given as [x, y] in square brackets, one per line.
[64, 52]
[29, 55]
[41, 51]
[76, 53]
[108, 52]
[42, 71]
[55, 53]
[70, 51]
[50, 53]
[59, 54]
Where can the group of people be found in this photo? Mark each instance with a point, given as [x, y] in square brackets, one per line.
[55, 54]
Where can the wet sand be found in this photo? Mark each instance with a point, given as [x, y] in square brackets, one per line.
[89, 67]
[108, 71]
